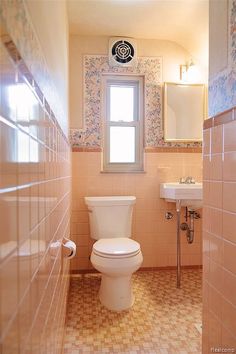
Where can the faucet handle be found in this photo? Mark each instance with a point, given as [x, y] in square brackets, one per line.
[190, 180]
[182, 180]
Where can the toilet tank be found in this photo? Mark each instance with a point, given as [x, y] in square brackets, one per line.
[110, 217]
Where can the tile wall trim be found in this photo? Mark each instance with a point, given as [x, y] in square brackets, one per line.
[142, 269]
[29, 80]
[86, 149]
[173, 149]
[220, 119]
[147, 149]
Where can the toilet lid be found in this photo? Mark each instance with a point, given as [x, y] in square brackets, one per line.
[116, 247]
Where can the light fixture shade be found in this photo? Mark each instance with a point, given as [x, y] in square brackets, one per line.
[189, 72]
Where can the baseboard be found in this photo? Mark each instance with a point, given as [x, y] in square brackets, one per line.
[142, 269]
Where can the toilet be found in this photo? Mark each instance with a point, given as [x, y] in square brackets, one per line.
[114, 254]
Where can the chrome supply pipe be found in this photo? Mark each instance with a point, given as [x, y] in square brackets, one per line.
[178, 211]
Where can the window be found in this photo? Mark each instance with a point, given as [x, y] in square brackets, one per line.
[123, 123]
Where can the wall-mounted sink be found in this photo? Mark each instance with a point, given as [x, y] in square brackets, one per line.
[190, 194]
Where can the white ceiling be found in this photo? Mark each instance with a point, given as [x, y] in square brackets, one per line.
[181, 21]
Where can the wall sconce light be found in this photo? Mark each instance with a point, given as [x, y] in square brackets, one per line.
[183, 72]
[186, 71]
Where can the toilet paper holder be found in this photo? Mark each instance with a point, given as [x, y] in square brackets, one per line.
[68, 248]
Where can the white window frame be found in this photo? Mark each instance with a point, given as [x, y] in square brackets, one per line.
[137, 123]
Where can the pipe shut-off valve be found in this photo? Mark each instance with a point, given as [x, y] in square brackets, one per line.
[188, 226]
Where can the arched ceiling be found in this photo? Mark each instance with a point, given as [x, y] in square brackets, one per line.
[182, 21]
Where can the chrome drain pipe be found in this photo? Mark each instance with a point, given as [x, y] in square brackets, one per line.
[190, 230]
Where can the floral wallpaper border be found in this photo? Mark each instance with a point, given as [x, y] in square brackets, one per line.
[16, 21]
[97, 65]
[222, 88]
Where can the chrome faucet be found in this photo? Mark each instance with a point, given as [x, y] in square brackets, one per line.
[182, 180]
[187, 180]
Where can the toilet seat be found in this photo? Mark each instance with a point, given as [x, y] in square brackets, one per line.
[121, 247]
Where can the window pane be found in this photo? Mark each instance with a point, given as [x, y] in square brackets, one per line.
[122, 144]
[121, 103]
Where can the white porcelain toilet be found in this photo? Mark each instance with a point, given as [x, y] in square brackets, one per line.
[115, 255]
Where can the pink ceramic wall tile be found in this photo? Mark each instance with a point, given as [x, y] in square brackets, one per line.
[229, 286]
[8, 162]
[216, 248]
[229, 226]
[229, 196]
[215, 302]
[206, 141]
[214, 332]
[217, 139]
[229, 166]
[25, 322]
[228, 339]
[156, 235]
[216, 275]
[219, 234]
[9, 222]
[229, 316]
[229, 136]
[10, 343]
[34, 202]
[216, 221]
[206, 168]
[229, 251]
[9, 289]
[216, 171]
[215, 194]
[206, 267]
[206, 221]
[206, 192]
[206, 243]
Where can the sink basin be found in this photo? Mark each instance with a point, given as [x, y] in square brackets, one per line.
[189, 194]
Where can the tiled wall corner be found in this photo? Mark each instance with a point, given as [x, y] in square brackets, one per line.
[219, 237]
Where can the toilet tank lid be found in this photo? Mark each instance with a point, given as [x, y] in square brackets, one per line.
[110, 200]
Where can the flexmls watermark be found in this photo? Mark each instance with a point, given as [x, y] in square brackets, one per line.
[222, 350]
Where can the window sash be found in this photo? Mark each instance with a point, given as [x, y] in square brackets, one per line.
[136, 82]
[124, 83]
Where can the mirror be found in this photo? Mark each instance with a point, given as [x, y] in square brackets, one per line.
[184, 111]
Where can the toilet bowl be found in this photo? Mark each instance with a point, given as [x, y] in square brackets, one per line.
[117, 259]
[115, 255]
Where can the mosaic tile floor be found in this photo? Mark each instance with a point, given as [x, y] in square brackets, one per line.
[163, 319]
